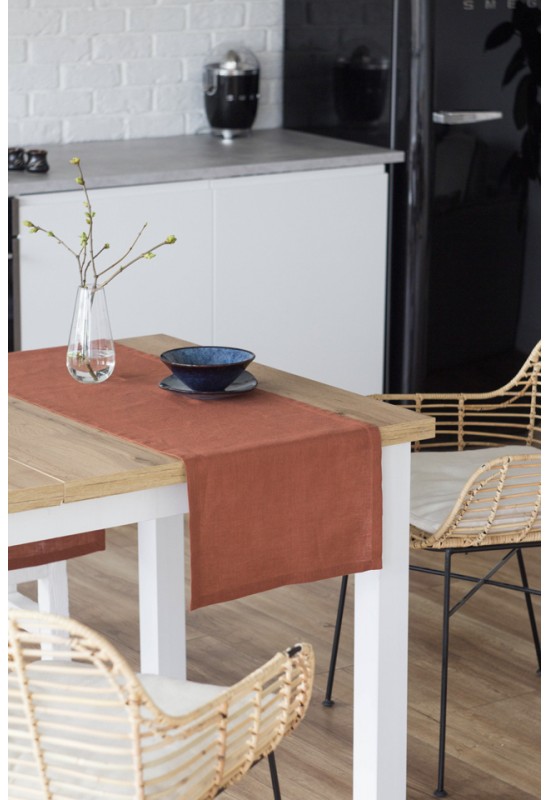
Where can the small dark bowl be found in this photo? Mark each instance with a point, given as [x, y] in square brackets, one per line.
[209, 368]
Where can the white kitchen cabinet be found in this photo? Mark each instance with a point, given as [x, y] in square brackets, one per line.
[171, 293]
[300, 272]
[291, 266]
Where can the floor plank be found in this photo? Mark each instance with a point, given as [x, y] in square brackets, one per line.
[494, 691]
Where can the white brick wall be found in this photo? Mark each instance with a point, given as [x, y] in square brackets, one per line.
[123, 69]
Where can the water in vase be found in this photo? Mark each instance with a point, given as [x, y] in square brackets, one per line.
[93, 366]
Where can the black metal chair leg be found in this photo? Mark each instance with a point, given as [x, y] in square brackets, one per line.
[440, 791]
[274, 776]
[529, 601]
[328, 701]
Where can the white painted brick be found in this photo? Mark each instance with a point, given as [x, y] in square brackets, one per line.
[86, 129]
[208, 16]
[271, 66]
[61, 104]
[196, 123]
[38, 132]
[90, 75]
[17, 50]
[55, 50]
[17, 105]
[194, 66]
[255, 40]
[180, 45]
[14, 134]
[140, 62]
[265, 14]
[26, 77]
[158, 19]
[94, 21]
[62, 3]
[275, 40]
[150, 125]
[269, 117]
[179, 98]
[129, 100]
[34, 23]
[273, 92]
[150, 71]
[118, 3]
[118, 47]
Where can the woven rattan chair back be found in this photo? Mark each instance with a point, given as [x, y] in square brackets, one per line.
[500, 505]
[509, 415]
[82, 725]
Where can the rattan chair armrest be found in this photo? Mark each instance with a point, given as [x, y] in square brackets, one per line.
[499, 504]
[299, 659]
[245, 722]
[510, 414]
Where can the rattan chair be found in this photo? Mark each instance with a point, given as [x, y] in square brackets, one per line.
[84, 726]
[476, 485]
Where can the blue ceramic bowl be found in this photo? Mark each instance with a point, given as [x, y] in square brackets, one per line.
[209, 368]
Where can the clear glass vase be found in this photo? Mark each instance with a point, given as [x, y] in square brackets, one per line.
[91, 350]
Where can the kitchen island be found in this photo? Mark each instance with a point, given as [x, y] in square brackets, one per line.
[281, 246]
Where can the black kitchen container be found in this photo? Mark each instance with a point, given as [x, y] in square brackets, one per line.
[231, 82]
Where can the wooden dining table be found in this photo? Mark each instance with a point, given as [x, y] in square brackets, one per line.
[66, 478]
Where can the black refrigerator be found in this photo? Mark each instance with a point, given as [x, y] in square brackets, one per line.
[455, 84]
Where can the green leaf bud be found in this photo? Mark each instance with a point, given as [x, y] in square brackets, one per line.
[74, 160]
[79, 180]
[51, 233]
[28, 223]
[170, 239]
[149, 255]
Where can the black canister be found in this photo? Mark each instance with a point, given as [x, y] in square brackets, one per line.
[360, 86]
[16, 158]
[231, 83]
[37, 161]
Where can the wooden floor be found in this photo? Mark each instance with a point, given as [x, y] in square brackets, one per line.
[493, 714]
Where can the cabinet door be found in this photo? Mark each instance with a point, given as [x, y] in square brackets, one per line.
[300, 272]
[170, 293]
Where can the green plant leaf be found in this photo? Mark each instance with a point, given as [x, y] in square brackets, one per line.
[517, 63]
[530, 154]
[521, 102]
[499, 35]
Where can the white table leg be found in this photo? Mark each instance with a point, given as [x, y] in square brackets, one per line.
[159, 514]
[53, 588]
[381, 644]
[162, 596]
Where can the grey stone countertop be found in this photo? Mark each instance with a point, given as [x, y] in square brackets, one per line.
[194, 157]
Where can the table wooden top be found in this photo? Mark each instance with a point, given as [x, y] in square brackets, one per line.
[54, 460]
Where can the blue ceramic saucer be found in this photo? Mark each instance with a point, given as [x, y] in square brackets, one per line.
[244, 383]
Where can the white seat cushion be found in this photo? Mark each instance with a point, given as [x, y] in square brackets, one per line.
[178, 697]
[438, 478]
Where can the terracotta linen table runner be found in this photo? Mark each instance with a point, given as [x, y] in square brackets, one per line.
[280, 492]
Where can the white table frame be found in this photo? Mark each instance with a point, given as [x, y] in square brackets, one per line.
[381, 608]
